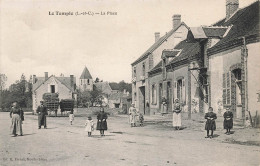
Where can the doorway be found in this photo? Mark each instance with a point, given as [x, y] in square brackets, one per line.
[237, 84]
[142, 99]
[169, 96]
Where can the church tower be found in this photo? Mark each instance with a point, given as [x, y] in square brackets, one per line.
[86, 81]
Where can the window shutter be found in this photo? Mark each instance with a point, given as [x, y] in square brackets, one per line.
[224, 89]
[175, 90]
[183, 92]
[228, 87]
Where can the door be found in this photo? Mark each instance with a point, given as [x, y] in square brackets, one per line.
[160, 96]
[169, 96]
[142, 99]
[238, 92]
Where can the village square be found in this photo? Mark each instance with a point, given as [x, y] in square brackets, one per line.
[193, 99]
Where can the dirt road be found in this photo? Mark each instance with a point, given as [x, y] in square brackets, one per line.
[155, 144]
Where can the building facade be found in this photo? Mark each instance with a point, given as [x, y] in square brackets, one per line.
[151, 58]
[64, 86]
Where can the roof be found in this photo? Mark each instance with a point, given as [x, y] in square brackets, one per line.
[104, 87]
[188, 49]
[215, 31]
[198, 33]
[245, 23]
[64, 80]
[158, 43]
[85, 74]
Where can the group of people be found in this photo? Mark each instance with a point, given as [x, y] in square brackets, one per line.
[135, 117]
[210, 117]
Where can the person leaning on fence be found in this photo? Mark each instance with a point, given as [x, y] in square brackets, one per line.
[210, 123]
[228, 121]
[176, 119]
[42, 112]
[16, 114]
[132, 114]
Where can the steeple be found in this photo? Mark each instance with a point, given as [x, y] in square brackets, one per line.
[85, 74]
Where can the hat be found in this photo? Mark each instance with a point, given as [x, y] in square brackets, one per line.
[89, 117]
[176, 99]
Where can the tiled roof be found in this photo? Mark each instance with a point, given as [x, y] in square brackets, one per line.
[85, 74]
[64, 80]
[245, 23]
[215, 31]
[189, 49]
[157, 44]
[104, 87]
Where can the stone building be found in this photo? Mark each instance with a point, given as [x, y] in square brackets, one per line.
[85, 81]
[214, 66]
[64, 86]
[149, 59]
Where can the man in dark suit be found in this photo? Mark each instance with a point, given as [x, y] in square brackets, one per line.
[42, 112]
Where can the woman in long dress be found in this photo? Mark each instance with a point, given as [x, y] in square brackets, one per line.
[132, 115]
[176, 120]
[16, 127]
[102, 122]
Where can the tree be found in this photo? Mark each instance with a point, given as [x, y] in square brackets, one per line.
[3, 80]
[90, 97]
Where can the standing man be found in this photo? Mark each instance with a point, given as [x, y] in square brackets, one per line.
[132, 114]
[42, 112]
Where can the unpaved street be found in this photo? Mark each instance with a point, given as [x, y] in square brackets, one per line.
[155, 144]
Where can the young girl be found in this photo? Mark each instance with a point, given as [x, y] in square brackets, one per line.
[210, 123]
[228, 120]
[89, 125]
[71, 116]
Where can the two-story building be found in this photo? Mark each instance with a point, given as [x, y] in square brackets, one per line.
[151, 58]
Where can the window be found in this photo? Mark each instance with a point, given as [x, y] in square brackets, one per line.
[135, 96]
[154, 94]
[134, 72]
[52, 88]
[88, 81]
[226, 88]
[81, 82]
[164, 68]
[143, 69]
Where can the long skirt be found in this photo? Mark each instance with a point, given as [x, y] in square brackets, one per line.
[132, 119]
[42, 120]
[228, 124]
[102, 125]
[210, 125]
[176, 121]
[164, 109]
[16, 127]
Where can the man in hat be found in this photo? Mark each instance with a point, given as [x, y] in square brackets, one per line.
[42, 112]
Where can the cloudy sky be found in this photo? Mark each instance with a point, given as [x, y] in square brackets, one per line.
[32, 41]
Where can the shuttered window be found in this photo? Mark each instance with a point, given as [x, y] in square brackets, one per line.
[227, 88]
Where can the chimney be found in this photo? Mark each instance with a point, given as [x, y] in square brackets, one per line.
[46, 75]
[231, 7]
[72, 81]
[176, 20]
[34, 79]
[157, 36]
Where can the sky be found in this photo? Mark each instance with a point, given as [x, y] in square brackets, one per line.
[33, 42]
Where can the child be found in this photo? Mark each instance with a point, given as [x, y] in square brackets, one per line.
[71, 116]
[228, 120]
[89, 125]
[141, 119]
[210, 123]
